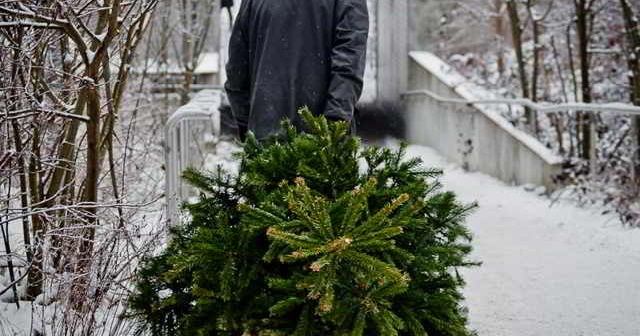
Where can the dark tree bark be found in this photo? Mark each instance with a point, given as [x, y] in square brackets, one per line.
[536, 27]
[632, 30]
[584, 16]
[498, 23]
[517, 32]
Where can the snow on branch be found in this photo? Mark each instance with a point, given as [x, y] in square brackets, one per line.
[28, 112]
[23, 23]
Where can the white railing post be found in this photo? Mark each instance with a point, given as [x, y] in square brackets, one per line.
[185, 144]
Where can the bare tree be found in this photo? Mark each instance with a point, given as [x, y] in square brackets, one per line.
[498, 23]
[70, 65]
[632, 32]
[536, 28]
[196, 24]
[584, 23]
[563, 51]
[517, 31]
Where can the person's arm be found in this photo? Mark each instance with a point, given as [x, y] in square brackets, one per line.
[238, 85]
[348, 58]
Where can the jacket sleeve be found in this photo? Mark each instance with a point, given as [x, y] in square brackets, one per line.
[238, 85]
[348, 58]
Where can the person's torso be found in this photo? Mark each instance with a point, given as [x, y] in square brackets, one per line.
[290, 44]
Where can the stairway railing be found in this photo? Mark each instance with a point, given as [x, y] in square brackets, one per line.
[190, 134]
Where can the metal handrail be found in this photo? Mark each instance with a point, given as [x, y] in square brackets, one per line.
[193, 87]
[543, 107]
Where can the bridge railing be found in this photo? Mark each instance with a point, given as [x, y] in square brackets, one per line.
[540, 108]
[444, 112]
[441, 114]
[190, 135]
[609, 108]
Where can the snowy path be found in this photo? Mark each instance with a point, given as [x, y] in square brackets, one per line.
[557, 270]
[546, 271]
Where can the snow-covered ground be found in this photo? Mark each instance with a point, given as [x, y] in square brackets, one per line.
[547, 269]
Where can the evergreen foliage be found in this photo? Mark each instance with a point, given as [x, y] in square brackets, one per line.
[312, 237]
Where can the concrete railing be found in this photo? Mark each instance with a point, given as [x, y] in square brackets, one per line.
[190, 135]
[473, 135]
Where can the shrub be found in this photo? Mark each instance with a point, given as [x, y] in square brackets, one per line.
[311, 237]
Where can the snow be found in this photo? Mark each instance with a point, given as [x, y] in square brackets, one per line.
[14, 228]
[91, 55]
[209, 63]
[14, 321]
[548, 269]
[224, 157]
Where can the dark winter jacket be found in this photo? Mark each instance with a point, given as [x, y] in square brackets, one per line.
[287, 54]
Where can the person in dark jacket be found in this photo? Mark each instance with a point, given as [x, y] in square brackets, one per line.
[288, 54]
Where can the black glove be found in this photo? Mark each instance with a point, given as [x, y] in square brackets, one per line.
[226, 3]
[335, 119]
[242, 132]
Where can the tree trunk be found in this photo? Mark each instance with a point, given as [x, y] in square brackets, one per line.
[498, 30]
[516, 32]
[632, 29]
[187, 50]
[583, 16]
[16, 74]
[535, 73]
[35, 277]
[90, 196]
[575, 136]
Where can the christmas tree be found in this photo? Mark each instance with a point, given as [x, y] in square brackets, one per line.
[313, 236]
